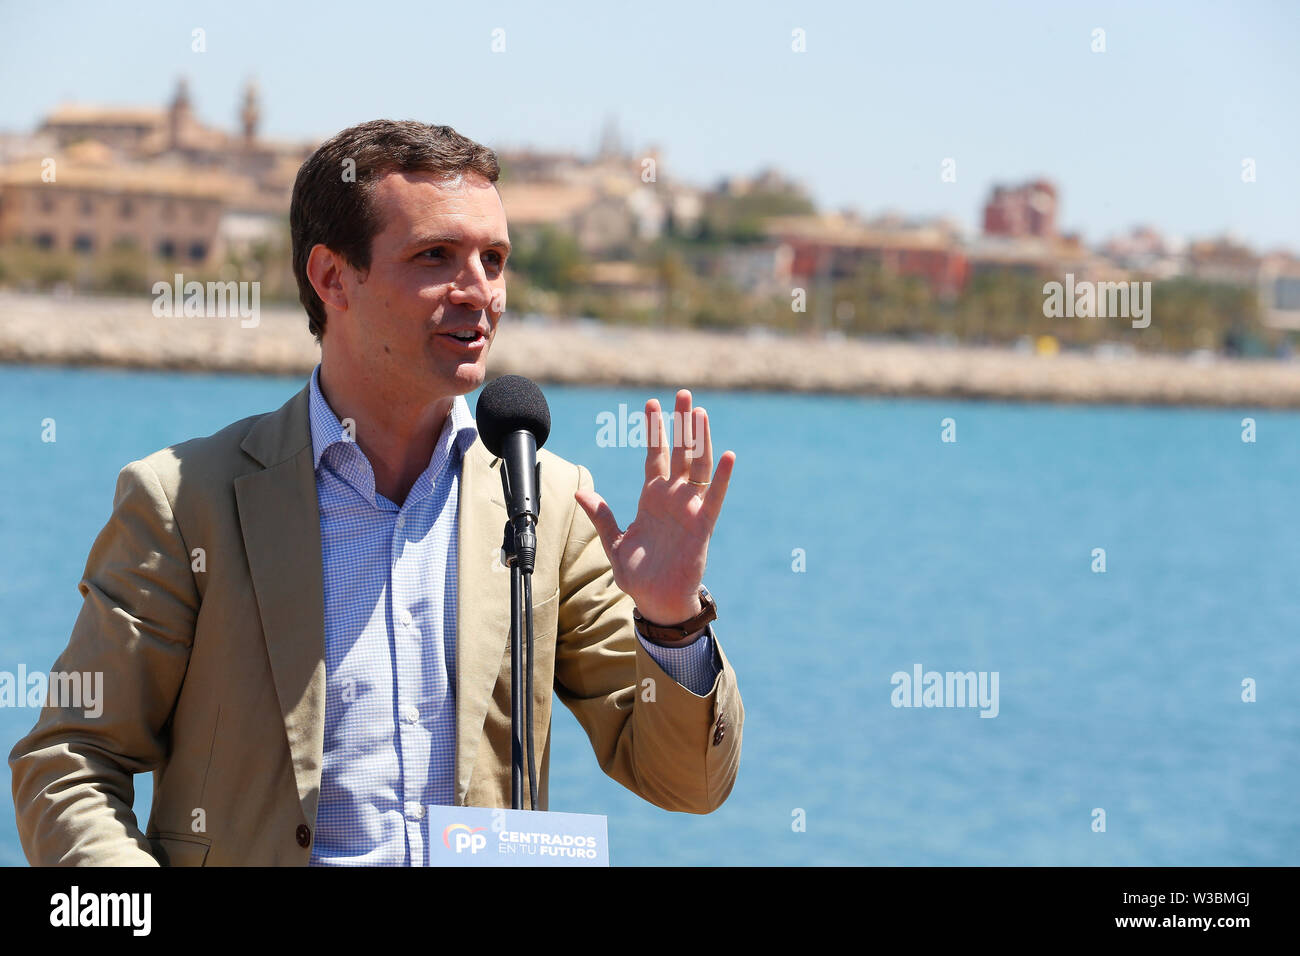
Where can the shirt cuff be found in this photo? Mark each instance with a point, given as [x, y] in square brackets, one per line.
[692, 665]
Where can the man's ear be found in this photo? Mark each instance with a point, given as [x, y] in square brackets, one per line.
[325, 272]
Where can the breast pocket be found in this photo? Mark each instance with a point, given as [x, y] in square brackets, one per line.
[545, 620]
[545, 624]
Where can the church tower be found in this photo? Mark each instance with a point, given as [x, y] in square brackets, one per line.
[250, 113]
[180, 115]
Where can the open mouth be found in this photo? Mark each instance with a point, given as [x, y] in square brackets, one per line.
[467, 336]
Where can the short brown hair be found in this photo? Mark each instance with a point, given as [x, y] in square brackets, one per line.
[335, 209]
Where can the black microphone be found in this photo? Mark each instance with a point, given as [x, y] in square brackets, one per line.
[514, 421]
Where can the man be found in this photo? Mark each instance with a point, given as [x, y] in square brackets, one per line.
[303, 620]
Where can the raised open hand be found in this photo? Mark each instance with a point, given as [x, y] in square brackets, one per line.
[659, 560]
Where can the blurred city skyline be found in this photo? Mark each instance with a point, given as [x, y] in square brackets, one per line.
[1138, 135]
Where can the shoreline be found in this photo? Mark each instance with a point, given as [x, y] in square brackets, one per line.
[124, 333]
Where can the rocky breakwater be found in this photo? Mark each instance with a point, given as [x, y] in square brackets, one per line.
[127, 333]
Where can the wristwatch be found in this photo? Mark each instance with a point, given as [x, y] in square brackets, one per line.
[675, 633]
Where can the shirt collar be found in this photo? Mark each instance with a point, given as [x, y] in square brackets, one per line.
[459, 431]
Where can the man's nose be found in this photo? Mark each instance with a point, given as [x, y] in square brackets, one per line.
[472, 287]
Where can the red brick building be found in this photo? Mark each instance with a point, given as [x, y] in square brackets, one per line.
[1025, 210]
[835, 247]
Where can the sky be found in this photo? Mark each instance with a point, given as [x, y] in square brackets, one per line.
[1154, 130]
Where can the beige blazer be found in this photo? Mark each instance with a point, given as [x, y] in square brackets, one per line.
[214, 679]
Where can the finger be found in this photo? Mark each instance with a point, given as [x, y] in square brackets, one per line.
[656, 455]
[681, 423]
[602, 517]
[700, 450]
[712, 505]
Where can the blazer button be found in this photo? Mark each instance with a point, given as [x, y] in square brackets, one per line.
[719, 731]
[304, 835]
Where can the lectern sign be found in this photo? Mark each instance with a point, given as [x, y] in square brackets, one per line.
[484, 836]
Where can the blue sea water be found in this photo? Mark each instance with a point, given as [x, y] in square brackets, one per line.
[1120, 691]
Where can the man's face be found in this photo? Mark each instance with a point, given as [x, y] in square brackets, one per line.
[437, 267]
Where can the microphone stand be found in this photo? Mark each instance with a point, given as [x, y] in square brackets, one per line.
[520, 547]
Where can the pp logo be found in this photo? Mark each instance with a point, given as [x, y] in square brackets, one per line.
[466, 839]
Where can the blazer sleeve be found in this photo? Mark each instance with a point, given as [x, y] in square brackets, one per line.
[673, 748]
[73, 773]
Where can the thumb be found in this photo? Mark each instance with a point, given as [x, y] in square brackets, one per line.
[602, 517]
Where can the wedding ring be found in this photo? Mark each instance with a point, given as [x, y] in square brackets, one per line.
[702, 484]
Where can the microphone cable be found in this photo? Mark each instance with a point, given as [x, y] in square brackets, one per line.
[528, 692]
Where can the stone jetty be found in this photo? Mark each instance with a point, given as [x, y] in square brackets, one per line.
[126, 332]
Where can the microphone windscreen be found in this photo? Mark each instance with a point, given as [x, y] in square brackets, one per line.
[505, 406]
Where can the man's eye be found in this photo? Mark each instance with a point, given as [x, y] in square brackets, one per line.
[497, 258]
[436, 252]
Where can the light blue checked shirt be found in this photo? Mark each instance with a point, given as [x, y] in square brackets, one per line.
[390, 646]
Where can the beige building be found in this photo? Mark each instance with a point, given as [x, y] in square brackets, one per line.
[82, 201]
[607, 202]
[159, 181]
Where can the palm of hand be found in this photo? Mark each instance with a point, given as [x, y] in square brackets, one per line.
[660, 558]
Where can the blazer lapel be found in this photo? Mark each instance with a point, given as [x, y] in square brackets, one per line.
[483, 596]
[280, 522]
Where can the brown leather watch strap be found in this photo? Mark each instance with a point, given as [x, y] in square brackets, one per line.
[676, 633]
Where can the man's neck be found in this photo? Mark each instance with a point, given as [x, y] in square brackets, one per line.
[396, 437]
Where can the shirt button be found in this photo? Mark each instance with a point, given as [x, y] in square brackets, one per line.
[414, 811]
[401, 520]
[411, 713]
[406, 617]
[303, 835]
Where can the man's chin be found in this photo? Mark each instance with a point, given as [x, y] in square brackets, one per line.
[468, 376]
[456, 377]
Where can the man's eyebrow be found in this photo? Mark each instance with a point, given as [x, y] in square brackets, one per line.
[456, 241]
